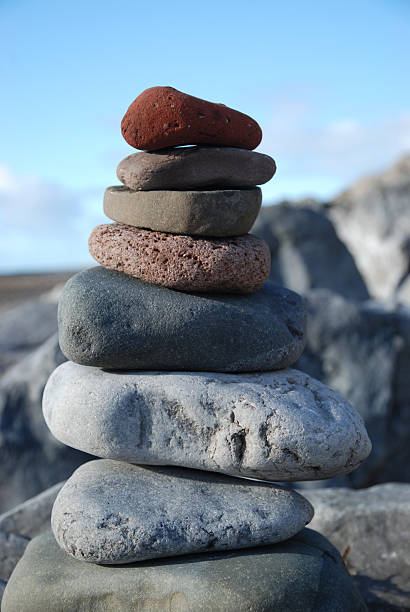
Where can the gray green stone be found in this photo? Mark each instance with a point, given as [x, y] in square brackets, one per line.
[303, 574]
[111, 320]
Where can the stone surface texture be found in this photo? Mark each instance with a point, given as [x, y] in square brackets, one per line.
[115, 512]
[218, 213]
[30, 458]
[163, 117]
[362, 351]
[184, 263]
[371, 529]
[275, 426]
[372, 218]
[114, 321]
[196, 168]
[306, 251]
[304, 574]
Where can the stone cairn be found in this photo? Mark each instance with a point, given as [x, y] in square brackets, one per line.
[179, 379]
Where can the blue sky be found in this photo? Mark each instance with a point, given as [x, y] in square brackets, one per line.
[327, 81]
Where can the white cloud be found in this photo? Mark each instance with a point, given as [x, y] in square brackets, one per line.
[321, 158]
[44, 224]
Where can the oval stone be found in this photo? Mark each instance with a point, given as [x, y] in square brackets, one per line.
[220, 213]
[114, 512]
[305, 573]
[221, 265]
[282, 426]
[163, 117]
[195, 168]
[112, 320]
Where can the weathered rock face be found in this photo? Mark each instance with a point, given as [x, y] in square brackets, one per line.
[218, 213]
[275, 426]
[114, 321]
[31, 459]
[371, 529]
[184, 263]
[306, 252]
[114, 512]
[373, 219]
[303, 574]
[24, 327]
[362, 351]
[165, 117]
[195, 168]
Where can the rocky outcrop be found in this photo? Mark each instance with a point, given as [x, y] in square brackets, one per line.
[373, 219]
[362, 351]
[31, 459]
[306, 251]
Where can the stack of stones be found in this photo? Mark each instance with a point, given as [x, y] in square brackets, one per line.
[179, 380]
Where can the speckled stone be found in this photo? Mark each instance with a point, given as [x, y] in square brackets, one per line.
[280, 425]
[163, 117]
[219, 213]
[115, 512]
[185, 263]
[303, 574]
[114, 321]
[195, 168]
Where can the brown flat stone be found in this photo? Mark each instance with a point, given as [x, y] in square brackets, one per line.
[163, 117]
[235, 265]
[195, 168]
[219, 213]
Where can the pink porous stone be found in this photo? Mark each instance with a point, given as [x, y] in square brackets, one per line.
[226, 265]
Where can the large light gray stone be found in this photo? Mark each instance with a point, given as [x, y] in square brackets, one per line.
[304, 574]
[195, 168]
[371, 529]
[115, 512]
[218, 213]
[280, 425]
[111, 320]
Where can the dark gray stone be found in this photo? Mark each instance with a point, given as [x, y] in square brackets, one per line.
[371, 530]
[306, 251]
[304, 574]
[115, 512]
[30, 458]
[279, 425]
[195, 168]
[218, 213]
[111, 320]
[362, 351]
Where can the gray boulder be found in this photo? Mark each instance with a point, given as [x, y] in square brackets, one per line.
[306, 251]
[31, 458]
[371, 530]
[373, 219]
[362, 351]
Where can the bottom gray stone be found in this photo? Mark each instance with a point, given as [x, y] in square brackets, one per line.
[304, 574]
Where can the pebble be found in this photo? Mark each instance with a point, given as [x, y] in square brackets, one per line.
[282, 426]
[305, 573]
[222, 265]
[162, 117]
[196, 168]
[218, 213]
[114, 321]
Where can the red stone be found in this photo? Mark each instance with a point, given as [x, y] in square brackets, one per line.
[164, 117]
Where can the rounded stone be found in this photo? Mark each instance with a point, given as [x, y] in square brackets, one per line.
[196, 168]
[114, 512]
[163, 117]
[218, 214]
[112, 320]
[221, 265]
[281, 426]
[303, 574]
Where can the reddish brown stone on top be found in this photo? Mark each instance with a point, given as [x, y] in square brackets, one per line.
[164, 117]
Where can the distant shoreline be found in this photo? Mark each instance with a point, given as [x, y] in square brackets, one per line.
[17, 288]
